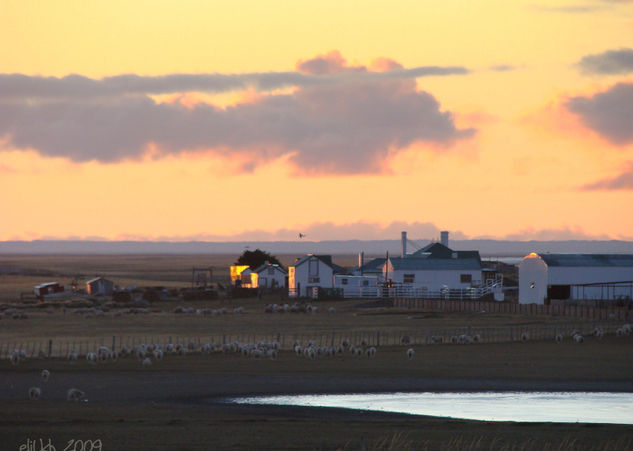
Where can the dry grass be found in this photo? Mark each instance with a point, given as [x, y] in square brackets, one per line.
[172, 425]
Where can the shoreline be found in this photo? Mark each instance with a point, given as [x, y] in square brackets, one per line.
[179, 387]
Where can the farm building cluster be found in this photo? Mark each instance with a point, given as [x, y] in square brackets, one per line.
[433, 271]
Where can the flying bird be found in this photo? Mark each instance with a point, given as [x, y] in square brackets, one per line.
[301, 235]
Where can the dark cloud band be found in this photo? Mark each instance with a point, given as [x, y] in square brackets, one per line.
[611, 62]
[18, 86]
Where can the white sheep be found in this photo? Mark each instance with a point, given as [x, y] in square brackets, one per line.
[405, 340]
[410, 353]
[331, 310]
[73, 355]
[91, 357]
[559, 338]
[298, 350]
[364, 342]
[619, 331]
[114, 356]
[437, 339]
[74, 395]
[146, 361]
[578, 338]
[272, 353]
[455, 339]
[158, 354]
[525, 336]
[371, 352]
[14, 358]
[45, 375]
[169, 348]
[628, 329]
[34, 393]
[477, 338]
[598, 333]
[345, 343]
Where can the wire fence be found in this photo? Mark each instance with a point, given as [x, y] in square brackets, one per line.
[61, 348]
[607, 312]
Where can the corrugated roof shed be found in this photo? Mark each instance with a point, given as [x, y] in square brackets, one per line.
[588, 260]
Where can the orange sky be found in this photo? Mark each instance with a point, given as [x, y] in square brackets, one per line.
[495, 119]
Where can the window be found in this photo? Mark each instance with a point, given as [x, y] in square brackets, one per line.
[466, 278]
[313, 280]
[343, 281]
[313, 267]
[408, 278]
[271, 271]
[365, 283]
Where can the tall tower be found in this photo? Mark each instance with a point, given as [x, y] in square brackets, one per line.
[444, 238]
[404, 244]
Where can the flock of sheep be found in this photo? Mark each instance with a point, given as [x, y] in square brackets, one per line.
[295, 308]
[72, 394]
[146, 354]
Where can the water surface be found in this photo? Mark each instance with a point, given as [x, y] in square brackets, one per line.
[559, 407]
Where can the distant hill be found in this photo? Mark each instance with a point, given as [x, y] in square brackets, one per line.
[377, 247]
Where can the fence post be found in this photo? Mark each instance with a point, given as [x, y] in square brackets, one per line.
[50, 348]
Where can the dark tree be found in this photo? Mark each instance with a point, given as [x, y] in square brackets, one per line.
[256, 258]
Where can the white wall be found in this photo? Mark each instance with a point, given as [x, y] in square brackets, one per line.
[565, 275]
[435, 280]
[357, 286]
[533, 280]
[265, 280]
[299, 277]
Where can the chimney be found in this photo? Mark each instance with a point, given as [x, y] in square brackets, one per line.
[444, 238]
[404, 244]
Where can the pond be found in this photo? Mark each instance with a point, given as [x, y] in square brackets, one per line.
[558, 407]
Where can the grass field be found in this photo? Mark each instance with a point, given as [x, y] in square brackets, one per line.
[160, 407]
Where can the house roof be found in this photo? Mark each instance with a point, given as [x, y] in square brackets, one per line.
[375, 265]
[434, 264]
[263, 266]
[327, 259]
[438, 250]
[96, 279]
[619, 260]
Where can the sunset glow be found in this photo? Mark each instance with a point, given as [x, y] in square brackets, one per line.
[229, 120]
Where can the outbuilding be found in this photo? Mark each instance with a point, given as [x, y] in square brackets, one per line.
[269, 275]
[545, 277]
[100, 286]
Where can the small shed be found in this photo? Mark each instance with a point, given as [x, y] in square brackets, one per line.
[100, 286]
[47, 288]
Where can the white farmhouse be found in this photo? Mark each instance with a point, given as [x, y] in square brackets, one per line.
[434, 274]
[268, 275]
[543, 277]
[310, 273]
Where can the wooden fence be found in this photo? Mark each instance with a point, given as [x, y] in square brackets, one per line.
[614, 313]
